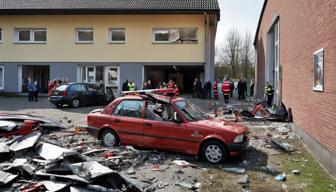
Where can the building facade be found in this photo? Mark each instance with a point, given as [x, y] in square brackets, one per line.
[296, 52]
[106, 41]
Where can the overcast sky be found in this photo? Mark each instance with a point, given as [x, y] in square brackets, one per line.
[240, 14]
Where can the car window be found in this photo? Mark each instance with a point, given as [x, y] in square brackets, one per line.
[61, 88]
[129, 108]
[92, 88]
[76, 87]
[159, 112]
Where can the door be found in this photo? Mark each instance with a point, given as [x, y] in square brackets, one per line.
[112, 78]
[158, 126]
[127, 120]
[91, 74]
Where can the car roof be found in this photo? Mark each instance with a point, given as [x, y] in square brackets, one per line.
[152, 96]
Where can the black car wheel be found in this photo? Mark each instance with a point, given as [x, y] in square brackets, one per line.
[214, 152]
[75, 103]
[109, 138]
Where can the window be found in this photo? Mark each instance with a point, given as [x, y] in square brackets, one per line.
[318, 70]
[0, 35]
[117, 36]
[178, 36]
[2, 78]
[77, 88]
[84, 35]
[31, 35]
[129, 108]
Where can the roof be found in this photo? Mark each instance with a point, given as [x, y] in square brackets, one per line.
[106, 6]
[259, 22]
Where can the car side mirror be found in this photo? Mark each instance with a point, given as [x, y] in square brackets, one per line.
[176, 119]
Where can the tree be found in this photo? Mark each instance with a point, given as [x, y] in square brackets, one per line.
[246, 55]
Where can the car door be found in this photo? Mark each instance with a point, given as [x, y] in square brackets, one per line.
[158, 126]
[92, 95]
[127, 120]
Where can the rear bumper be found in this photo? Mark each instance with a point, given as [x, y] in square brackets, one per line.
[93, 131]
[58, 100]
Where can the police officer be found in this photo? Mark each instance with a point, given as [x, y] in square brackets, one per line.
[131, 86]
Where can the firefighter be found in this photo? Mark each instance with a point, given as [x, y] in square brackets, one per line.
[269, 94]
[226, 90]
[215, 89]
[131, 86]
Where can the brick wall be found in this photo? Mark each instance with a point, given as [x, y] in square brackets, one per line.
[305, 26]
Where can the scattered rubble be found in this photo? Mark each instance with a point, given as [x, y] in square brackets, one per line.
[235, 170]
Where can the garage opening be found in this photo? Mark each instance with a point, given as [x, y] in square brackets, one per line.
[183, 76]
[38, 73]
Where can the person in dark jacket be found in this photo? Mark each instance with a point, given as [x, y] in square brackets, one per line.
[195, 88]
[125, 85]
[251, 88]
[240, 89]
[209, 89]
[199, 89]
[244, 88]
[204, 90]
[30, 90]
[35, 90]
[231, 87]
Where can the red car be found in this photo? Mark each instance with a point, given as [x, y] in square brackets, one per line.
[168, 123]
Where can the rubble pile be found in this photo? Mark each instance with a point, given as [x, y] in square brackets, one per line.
[74, 161]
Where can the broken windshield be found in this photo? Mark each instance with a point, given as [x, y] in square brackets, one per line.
[190, 111]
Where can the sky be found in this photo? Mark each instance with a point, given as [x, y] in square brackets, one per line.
[240, 14]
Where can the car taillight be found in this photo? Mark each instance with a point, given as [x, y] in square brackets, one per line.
[65, 93]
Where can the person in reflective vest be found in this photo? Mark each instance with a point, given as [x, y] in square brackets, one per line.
[226, 90]
[269, 94]
[215, 89]
[131, 86]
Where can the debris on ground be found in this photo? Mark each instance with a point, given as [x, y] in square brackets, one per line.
[281, 177]
[244, 179]
[235, 170]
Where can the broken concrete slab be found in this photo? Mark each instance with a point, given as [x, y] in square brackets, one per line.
[6, 178]
[50, 152]
[282, 145]
[90, 170]
[25, 142]
[7, 126]
[235, 170]
[54, 185]
[70, 177]
[244, 179]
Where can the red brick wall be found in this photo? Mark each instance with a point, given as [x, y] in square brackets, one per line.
[305, 26]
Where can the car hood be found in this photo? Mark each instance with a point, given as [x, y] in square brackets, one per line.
[219, 125]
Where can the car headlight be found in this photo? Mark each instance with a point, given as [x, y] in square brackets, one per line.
[239, 139]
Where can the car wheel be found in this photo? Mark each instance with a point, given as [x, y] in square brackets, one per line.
[75, 103]
[214, 152]
[109, 138]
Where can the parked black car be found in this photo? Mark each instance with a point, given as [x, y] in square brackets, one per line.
[80, 94]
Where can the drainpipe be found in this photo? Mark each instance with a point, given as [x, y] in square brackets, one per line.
[207, 70]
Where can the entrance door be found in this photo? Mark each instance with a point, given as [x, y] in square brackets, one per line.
[39, 73]
[91, 74]
[111, 78]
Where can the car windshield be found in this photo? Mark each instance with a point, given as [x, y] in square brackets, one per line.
[190, 111]
[61, 87]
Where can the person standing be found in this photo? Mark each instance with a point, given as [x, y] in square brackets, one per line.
[50, 86]
[30, 90]
[231, 87]
[226, 90]
[125, 85]
[199, 89]
[240, 89]
[251, 88]
[269, 94]
[215, 89]
[149, 84]
[35, 90]
[131, 86]
[244, 88]
[209, 89]
[205, 90]
[195, 88]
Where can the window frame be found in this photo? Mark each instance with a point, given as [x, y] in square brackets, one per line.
[2, 87]
[318, 88]
[77, 41]
[154, 30]
[31, 35]
[111, 41]
[1, 35]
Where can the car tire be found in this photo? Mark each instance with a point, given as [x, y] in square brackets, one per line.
[75, 103]
[109, 138]
[214, 152]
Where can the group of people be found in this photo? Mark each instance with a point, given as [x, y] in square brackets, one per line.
[55, 83]
[129, 86]
[147, 85]
[201, 90]
[33, 89]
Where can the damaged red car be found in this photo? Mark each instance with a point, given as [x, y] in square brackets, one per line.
[167, 123]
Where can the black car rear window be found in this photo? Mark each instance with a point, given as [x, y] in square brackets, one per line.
[76, 87]
[61, 88]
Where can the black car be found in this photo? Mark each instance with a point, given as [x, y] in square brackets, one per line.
[80, 94]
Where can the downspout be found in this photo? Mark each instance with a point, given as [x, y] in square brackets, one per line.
[207, 70]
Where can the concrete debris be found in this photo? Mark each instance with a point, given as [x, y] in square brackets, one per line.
[7, 126]
[50, 152]
[54, 185]
[244, 179]
[283, 145]
[296, 172]
[190, 186]
[5, 177]
[90, 169]
[183, 164]
[25, 142]
[236, 170]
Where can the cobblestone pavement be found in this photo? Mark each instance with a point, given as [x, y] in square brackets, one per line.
[78, 116]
